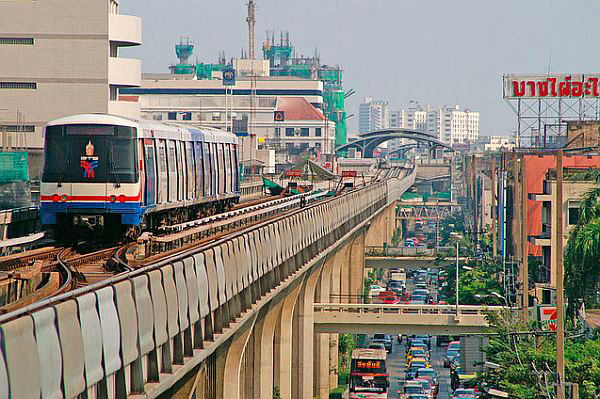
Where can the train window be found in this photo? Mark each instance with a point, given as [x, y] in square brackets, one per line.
[56, 156]
[123, 165]
[234, 166]
[171, 157]
[162, 156]
[221, 169]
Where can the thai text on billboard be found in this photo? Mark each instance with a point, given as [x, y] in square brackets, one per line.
[552, 86]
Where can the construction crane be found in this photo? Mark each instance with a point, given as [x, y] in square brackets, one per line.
[251, 19]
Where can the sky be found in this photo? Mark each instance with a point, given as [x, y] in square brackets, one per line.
[437, 52]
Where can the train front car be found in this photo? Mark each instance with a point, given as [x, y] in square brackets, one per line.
[91, 177]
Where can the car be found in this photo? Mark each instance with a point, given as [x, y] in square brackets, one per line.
[391, 300]
[420, 291]
[385, 339]
[427, 386]
[422, 298]
[411, 388]
[417, 302]
[417, 396]
[464, 393]
[376, 345]
[416, 353]
[421, 286]
[375, 290]
[442, 340]
[414, 365]
[450, 355]
[425, 338]
[430, 375]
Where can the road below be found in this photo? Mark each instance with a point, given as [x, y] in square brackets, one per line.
[396, 366]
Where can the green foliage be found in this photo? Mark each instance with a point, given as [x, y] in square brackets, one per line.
[527, 366]
[481, 280]
[276, 392]
[582, 254]
[346, 344]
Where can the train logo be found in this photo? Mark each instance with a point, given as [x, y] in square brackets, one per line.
[89, 162]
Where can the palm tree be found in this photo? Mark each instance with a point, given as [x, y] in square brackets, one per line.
[582, 253]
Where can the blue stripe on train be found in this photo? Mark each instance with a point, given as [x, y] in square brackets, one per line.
[131, 212]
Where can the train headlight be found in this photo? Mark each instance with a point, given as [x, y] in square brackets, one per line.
[64, 198]
[55, 198]
[113, 198]
[121, 198]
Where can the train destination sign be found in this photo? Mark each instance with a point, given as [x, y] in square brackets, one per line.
[553, 86]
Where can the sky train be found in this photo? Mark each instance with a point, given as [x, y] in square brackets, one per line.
[105, 173]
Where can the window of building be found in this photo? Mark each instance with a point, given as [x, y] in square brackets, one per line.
[172, 116]
[574, 215]
[18, 85]
[277, 131]
[318, 132]
[157, 117]
[216, 116]
[187, 116]
[18, 41]
[289, 132]
[304, 132]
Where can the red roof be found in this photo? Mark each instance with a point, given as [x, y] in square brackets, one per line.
[298, 109]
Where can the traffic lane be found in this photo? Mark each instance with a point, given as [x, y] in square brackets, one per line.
[396, 362]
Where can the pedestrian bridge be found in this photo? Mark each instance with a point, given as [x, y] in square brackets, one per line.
[410, 262]
[401, 319]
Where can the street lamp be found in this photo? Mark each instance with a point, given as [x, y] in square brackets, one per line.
[457, 238]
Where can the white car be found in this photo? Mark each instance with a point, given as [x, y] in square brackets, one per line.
[375, 289]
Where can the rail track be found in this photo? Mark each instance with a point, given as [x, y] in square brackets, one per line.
[79, 267]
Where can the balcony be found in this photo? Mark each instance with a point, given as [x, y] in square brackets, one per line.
[124, 72]
[127, 109]
[125, 30]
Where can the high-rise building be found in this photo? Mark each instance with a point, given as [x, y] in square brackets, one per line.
[61, 57]
[456, 126]
[373, 115]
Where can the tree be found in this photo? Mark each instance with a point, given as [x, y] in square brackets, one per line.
[582, 254]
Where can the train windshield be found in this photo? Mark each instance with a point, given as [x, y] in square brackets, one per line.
[90, 154]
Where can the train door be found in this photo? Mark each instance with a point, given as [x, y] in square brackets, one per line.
[199, 166]
[214, 166]
[172, 161]
[234, 168]
[221, 169]
[227, 161]
[150, 173]
[163, 173]
[207, 169]
[181, 173]
[190, 169]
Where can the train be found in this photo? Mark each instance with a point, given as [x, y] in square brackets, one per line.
[105, 175]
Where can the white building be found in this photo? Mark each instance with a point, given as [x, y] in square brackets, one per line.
[456, 126]
[58, 58]
[373, 115]
[498, 143]
[170, 97]
[423, 120]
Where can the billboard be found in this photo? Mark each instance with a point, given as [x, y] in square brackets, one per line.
[576, 85]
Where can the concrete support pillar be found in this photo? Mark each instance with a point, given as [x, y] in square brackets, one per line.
[339, 261]
[264, 332]
[303, 365]
[343, 280]
[229, 363]
[357, 266]
[282, 369]
[321, 386]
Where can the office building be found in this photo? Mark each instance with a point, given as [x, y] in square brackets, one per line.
[456, 126]
[58, 58]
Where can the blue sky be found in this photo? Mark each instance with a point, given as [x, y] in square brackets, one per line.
[432, 51]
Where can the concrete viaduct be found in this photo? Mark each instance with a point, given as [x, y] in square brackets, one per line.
[231, 320]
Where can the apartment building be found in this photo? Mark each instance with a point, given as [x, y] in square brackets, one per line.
[456, 126]
[373, 115]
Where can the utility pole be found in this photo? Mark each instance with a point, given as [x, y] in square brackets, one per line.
[558, 259]
[524, 243]
[494, 210]
[518, 216]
